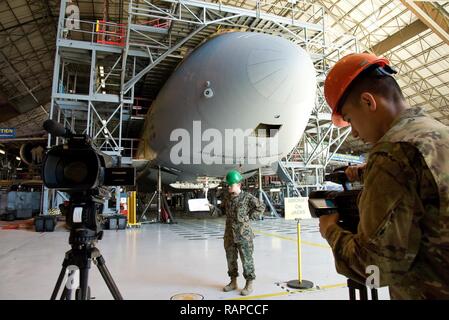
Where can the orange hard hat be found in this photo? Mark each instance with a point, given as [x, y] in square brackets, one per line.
[342, 74]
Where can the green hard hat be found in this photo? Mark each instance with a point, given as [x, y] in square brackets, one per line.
[233, 177]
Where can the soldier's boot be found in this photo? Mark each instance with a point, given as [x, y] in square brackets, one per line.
[248, 288]
[231, 286]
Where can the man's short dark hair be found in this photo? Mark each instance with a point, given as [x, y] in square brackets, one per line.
[375, 82]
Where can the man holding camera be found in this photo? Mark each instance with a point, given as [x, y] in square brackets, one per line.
[239, 207]
[404, 206]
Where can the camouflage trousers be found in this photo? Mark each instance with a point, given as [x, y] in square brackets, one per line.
[245, 249]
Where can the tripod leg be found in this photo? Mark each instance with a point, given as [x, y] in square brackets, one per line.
[59, 281]
[363, 293]
[168, 209]
[352, 294]
[101, 264]
[351, 290]
[146, 208]
[84, 278]
[374, 295]
[66, 294]
[70, 283]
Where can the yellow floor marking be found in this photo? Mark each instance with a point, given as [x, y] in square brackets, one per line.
[313, 244]
[285, 293]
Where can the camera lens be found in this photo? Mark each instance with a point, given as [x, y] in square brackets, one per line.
[76, 171]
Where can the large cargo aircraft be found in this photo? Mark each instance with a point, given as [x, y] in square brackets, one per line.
[239, 101]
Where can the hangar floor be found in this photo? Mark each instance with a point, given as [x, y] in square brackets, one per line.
[160, 261]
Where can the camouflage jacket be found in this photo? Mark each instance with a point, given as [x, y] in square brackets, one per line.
[404, 212]
[239, 210]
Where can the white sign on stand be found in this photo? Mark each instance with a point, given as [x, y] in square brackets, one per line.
[198, 205]
[296, 208]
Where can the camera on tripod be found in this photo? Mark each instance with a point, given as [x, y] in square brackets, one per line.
[83, 172]
[323, 202]
[78, 168]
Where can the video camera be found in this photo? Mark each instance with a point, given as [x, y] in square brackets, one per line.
[82, 171]
[344, 202]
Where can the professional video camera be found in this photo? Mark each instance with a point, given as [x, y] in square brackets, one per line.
[344, 202]
[84, 173]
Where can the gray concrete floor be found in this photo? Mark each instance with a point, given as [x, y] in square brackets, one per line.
[159, 261]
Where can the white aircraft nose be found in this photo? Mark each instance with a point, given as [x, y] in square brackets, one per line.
[236, 82]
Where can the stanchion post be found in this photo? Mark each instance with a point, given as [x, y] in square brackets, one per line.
[299, 283]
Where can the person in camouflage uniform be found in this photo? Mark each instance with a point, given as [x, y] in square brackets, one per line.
[404, 206]
[239, 207]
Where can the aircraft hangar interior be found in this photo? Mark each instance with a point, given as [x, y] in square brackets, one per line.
[224, 150]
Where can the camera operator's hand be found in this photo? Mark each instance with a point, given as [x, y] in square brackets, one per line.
[353, 172]
[326, 221]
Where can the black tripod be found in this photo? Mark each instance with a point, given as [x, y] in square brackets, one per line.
[83, 252]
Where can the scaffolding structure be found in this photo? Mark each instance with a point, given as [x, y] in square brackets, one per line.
[86, 91]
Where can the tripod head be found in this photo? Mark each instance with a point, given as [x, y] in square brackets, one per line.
[82, 214]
